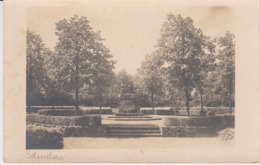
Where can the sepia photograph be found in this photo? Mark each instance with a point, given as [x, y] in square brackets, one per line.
[128, 75]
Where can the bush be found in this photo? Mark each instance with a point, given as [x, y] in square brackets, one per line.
[35, 109]
[216, 121]
[188, 131]
[227, 135]
[81, 131]
[96, 111]
[57, 112]
[39, 137]
[147, 111]
[192, 113]
[85, 120]
[71, 112]
[164, 112]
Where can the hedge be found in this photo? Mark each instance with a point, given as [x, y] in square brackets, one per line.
[81, 131]
[192, 113]
[35, 109]
[57, 112]
[96, 111]
[77, 131]
[86, 120]
[220, 110]
[188, 131]
[39, 137]
[216, 121]
[182, 111]
[164, 112]
[146, 111]
[71, 112]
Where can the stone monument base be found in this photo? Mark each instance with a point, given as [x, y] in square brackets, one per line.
[129, 114]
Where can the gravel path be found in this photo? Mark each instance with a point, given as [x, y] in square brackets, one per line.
[146, 142]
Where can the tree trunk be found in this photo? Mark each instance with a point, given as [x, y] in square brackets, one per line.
[201, 101]
[77, 86]
[229, 95]
[99, 99]
[171, 100]
[153, 102]
[187, 100]
[52, 102]
[29, 95]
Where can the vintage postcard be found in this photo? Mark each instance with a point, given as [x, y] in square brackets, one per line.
[131, 81]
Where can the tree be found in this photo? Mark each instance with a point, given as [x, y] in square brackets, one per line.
[205, 59]
[151, 76]
[76, 50]
[103, 75]
[181, 45]
[125, 83]
[226, 57]
[54, 89]
[35, 71]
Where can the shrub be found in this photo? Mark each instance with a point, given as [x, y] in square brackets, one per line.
[50, 120]
[71, 112]
[192, 113]
[96, 111]
[188, 131]
[216, 121]
[227, 135]
[40, 137]
[35, 109]
[57, 112]
[147, 111]
[85, 120]
[81, 131]
[220, 110]
[164, 112]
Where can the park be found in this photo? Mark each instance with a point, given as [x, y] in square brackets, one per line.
[183, 92]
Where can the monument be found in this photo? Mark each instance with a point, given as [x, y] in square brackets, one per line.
[129, 106]
[129, 110]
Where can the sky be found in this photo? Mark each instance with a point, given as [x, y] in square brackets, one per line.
[130, 28]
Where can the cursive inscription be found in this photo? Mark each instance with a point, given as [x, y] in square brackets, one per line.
[48, 156]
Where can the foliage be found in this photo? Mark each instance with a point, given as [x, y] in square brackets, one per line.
[81, 57]
[219, 122]
[124, 84]
[40, 137]
[85, 131]
[71, 112]
[151, 78]
[227, 135]
[35, 70]
[227, 66]
[187, 68]
[85, 120]
[188, 131]
[181, 45]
